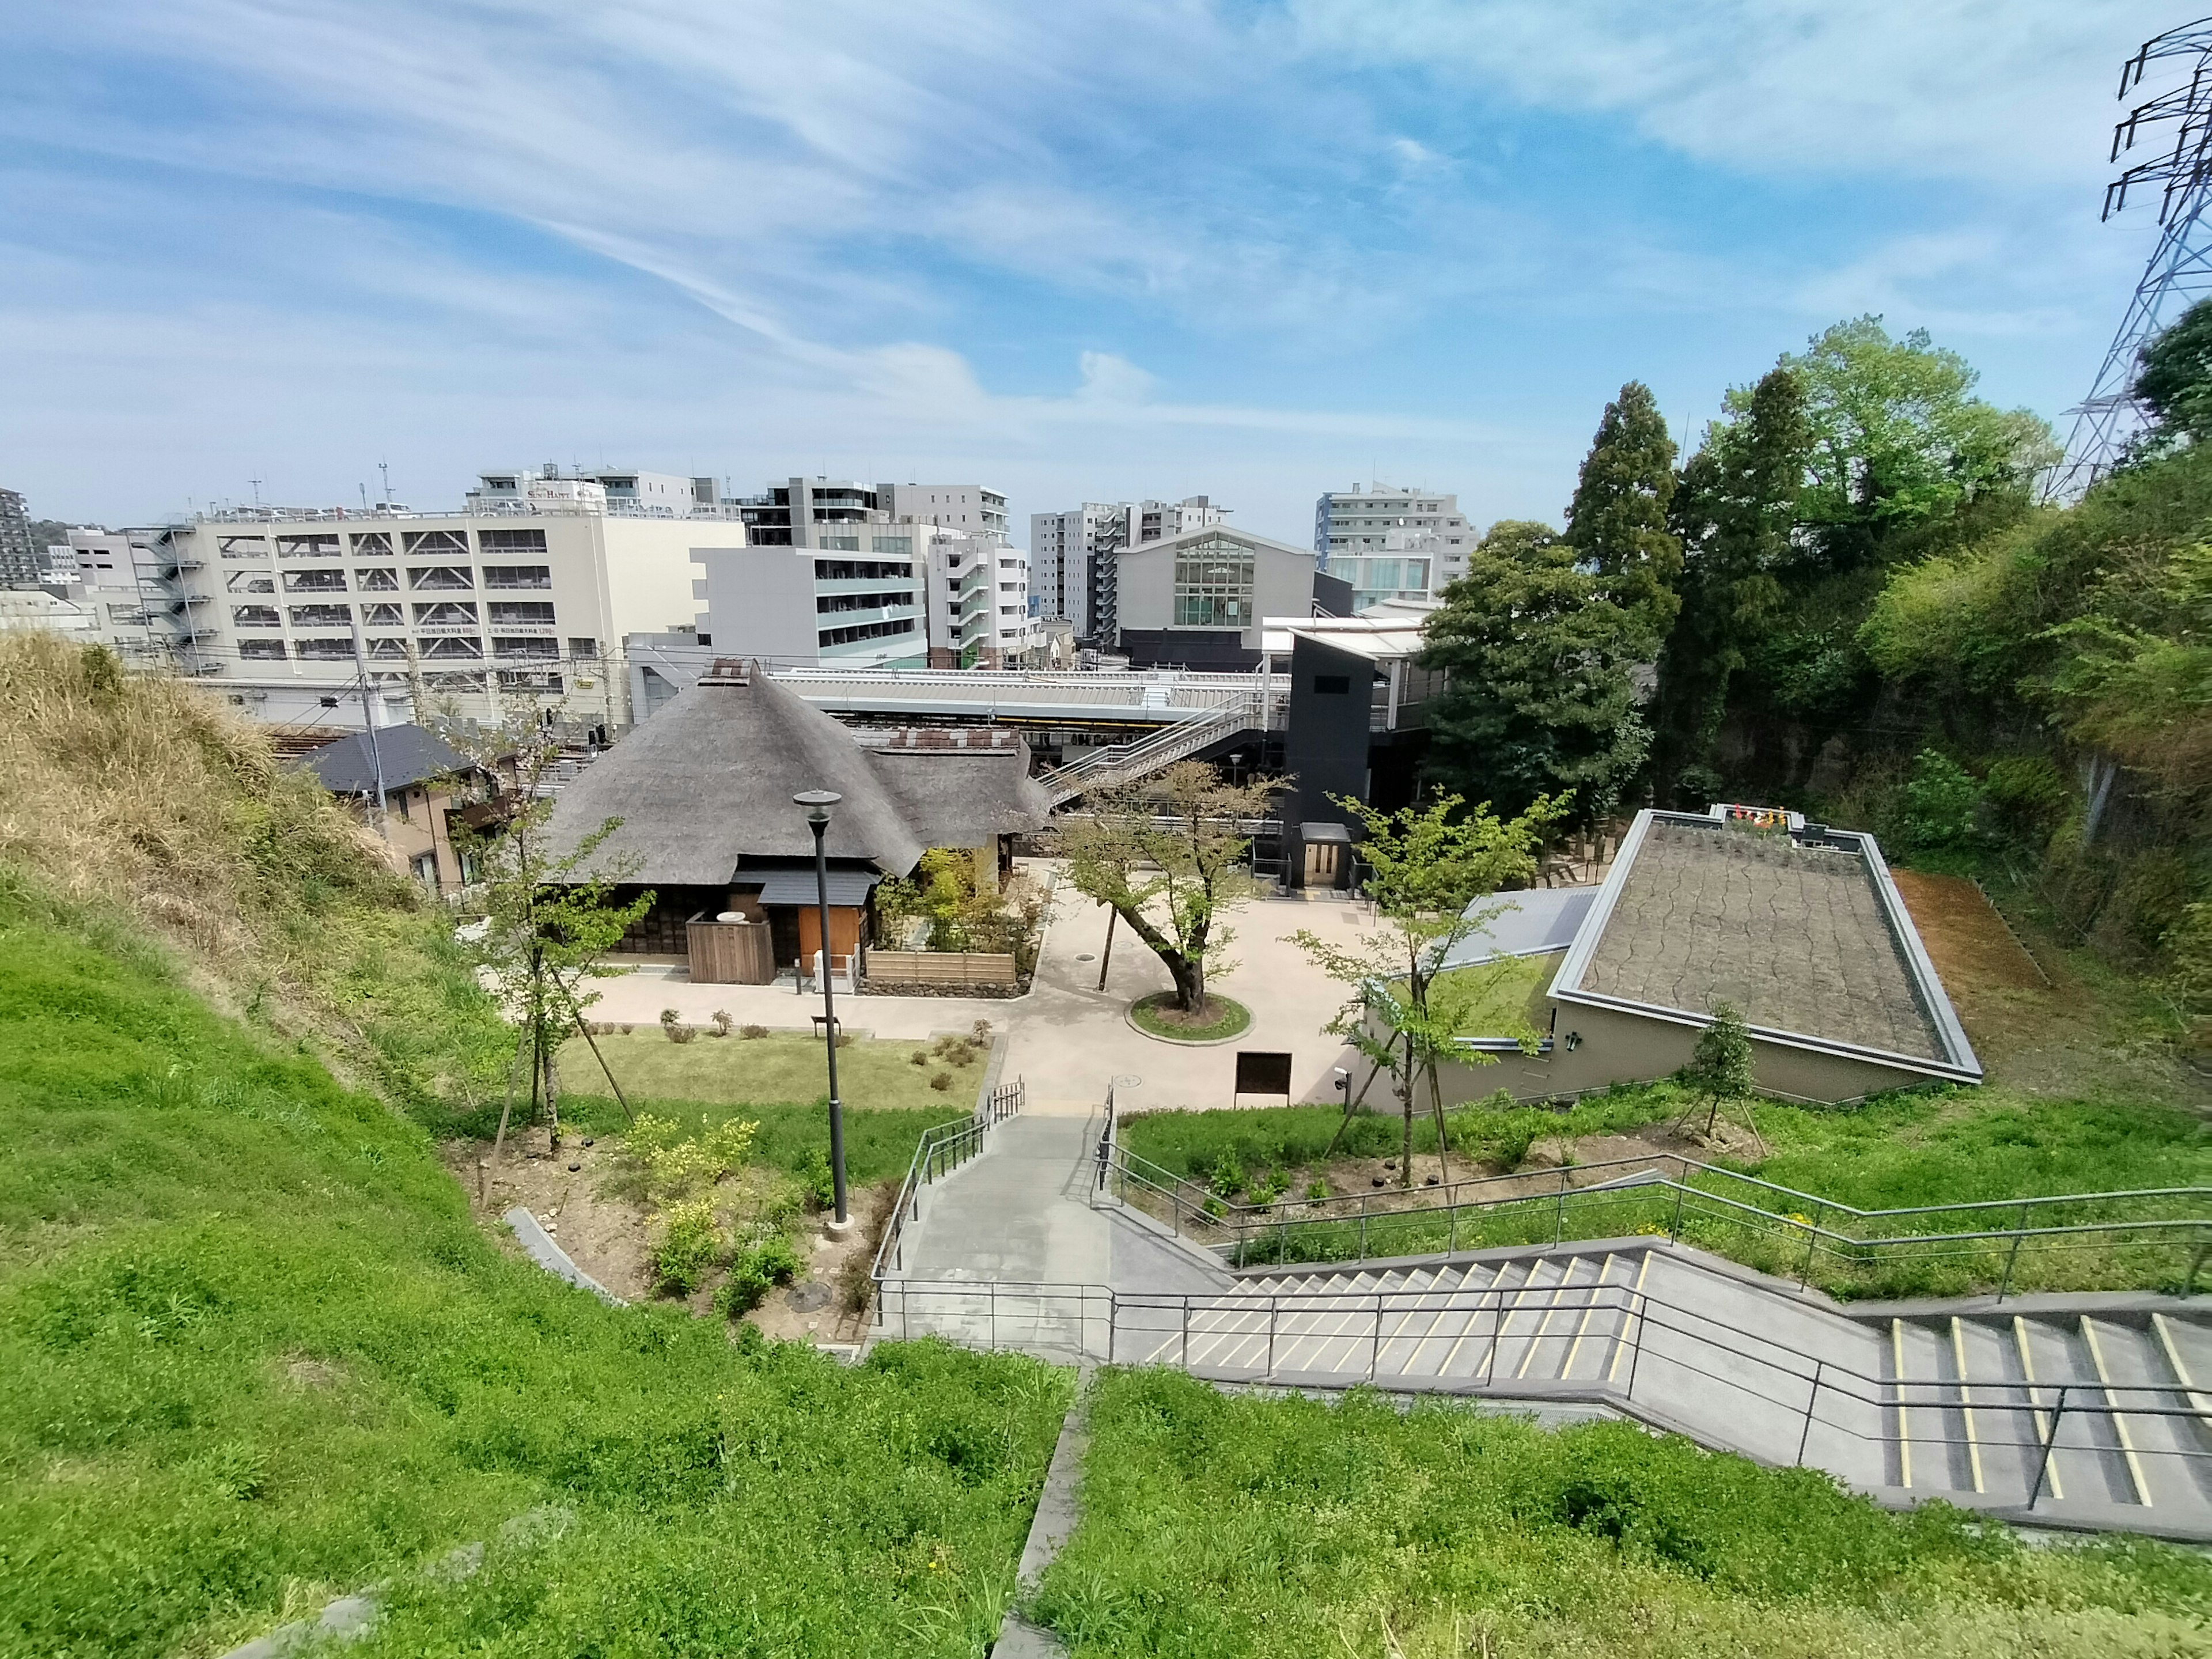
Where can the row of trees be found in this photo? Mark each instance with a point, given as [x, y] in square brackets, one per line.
[1605, 658]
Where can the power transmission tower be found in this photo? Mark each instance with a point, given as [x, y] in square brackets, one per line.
[2181, 269]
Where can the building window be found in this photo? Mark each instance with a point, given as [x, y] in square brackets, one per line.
[842, 544]
[373, 545]
[243, 547]
[901, 545]
[858, 570]
[440, 575]
[387, 649]
[319, 546]
[323, 650]
[420, 542]
[518, 576]
[511, 541]
[321, 616]
[261, 650]
[859, 631]
[529, 679]
[522, 612]
[582, 647]
[253, 615]
[526, 646]
[384, 615]
[830, 604]
[452, 613]
[315, 581]
[1213, 585]
[249, 581]
[377, 581]
[457, 648]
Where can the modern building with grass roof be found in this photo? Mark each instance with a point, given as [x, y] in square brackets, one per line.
[1798, 926]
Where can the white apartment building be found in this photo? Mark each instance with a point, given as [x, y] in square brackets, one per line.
[1391, 543]
[517, 603]
[878, 595]
[972, 509]
[1072, 556]
[114, 577]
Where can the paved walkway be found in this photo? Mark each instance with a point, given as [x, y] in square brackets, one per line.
[1068, 1040]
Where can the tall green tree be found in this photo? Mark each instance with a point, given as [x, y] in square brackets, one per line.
[1616, 521]
[1539, 699]
[1736, 513]
[2173, 378]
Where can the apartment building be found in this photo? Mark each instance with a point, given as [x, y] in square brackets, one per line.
[971, 510]
[517, 602]
[114, 576]
[1073, 565]
[1391, 543]
[879, 595]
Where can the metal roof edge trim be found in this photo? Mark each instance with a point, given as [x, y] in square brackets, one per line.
[1924, 976]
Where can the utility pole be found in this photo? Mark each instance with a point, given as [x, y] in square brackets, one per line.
[375, 750]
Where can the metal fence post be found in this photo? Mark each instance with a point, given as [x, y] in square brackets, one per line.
[1812, 1245]
[1674, 1227]
[994, 1314]
[1451, 1239]
[1560, 1218]
[1375, 1354]
[1636, 1355]
[1271, 1336]
[2004, 1285]
[1186, 1333]
[1363, 1227]
[2050, 1441]
[1811, 1399]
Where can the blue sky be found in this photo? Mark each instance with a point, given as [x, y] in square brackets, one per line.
[1078, 251]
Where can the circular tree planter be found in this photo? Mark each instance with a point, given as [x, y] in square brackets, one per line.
[1232, 1020]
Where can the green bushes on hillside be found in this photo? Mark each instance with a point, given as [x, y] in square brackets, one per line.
[1223, 1526]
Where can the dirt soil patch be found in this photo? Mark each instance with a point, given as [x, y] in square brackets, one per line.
[607, 1236]
[1973, 949]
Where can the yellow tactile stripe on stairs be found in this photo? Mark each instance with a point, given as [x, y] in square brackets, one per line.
[2035, 1400]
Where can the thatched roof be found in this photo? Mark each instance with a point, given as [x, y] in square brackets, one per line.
[709, 780]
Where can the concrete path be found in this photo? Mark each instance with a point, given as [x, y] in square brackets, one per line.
[1068, 1038]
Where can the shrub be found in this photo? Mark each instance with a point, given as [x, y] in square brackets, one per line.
[1941, 801]
[752, 1033]
[942, 1082]
[690, 1245]
[983, 1030]
[847, 1039]
[1317, 1188]
[1511, 1145]
[669, 1017]
[919, 1056]
[1226, 1175]
[816, 1177]
[722, 1021]
[756, 1271]
[681, 1033]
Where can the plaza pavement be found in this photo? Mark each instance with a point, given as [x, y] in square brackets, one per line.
[1067, 1039]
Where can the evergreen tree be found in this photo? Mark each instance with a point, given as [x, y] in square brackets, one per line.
[1617, 522]
[2173, 378]
[1735, 512]
[1539, 700]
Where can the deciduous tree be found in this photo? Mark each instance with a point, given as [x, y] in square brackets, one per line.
[1171, 855]
[1404, 1011]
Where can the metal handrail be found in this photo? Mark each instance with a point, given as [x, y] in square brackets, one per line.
[1235, 1228]
[942, 1149]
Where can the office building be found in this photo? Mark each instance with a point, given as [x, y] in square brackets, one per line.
[1391, 543]
[971, 510]
[114, 576]
[1072, 554]
[1195, 600]
[517, 604]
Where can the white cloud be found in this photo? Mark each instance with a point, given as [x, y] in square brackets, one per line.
[2017, 91]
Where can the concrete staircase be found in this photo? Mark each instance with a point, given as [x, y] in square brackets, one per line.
[2080, 1411]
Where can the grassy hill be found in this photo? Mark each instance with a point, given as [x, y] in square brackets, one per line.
[254, 1353]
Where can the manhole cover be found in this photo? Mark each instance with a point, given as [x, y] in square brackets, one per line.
[1087, 957]
[808, 1297]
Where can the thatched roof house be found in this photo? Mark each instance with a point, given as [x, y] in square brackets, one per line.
[703, 792]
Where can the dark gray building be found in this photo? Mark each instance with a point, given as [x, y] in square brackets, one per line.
[20, 562]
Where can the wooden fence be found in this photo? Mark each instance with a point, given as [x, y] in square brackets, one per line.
[963, 968]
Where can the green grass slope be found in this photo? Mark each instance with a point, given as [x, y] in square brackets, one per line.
[1216, 1527]
[253, 1354]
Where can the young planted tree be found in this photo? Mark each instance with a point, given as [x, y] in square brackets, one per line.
[1720, 1069]
[1405, 1011]
[548, 917]
[1169, 856]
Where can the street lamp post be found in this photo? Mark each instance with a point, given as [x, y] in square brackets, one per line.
[817, 803]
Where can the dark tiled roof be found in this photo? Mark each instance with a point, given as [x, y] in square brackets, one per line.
[409, 755]
[709, 780]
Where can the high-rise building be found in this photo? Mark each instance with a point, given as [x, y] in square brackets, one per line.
[20, 562]
[1391, 543]
[1072, 556]
[971, 510]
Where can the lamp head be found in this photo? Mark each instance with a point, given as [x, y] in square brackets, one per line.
[817, 803]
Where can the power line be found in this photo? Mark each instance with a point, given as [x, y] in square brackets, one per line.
[2107, 420]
